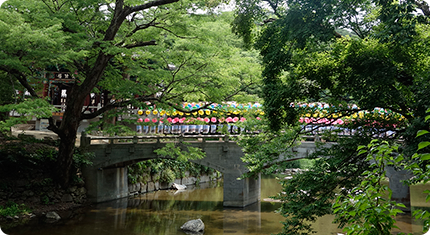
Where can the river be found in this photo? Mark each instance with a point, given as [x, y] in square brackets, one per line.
[163, 212]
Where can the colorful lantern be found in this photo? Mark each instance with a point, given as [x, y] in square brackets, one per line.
[140, 112]
[140, 120]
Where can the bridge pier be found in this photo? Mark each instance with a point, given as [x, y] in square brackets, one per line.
[105, 184]
[240, 193]
[400, 190]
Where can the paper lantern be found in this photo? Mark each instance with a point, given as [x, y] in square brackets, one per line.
[169, 119]
[235, 119]
[163, 112]
[229, 119]
[201, 112]
[155, 112]
[206, 120]
[154, 120]
[147, 112]
[213, 119]
[146, 119]
[242, 119]
[208, 112]
[140, 120]
[140, 112]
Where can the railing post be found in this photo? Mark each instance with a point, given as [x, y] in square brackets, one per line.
[85, 140]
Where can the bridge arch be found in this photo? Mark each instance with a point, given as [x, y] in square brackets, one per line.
[106, 178]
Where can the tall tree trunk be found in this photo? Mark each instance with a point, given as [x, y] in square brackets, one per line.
[67, 133]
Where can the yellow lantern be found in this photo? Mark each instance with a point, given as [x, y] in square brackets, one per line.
[354, 115]
[180, 113]
[208, 112]
[361, 114]
[201, 112]
[155, 112]
[194, 113]
[140, 112]
[147, 112]
[163, 112]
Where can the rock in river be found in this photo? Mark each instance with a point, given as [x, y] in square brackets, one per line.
[194, 226]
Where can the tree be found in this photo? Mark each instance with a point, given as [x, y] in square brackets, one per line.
[141, 52]
[306, 60]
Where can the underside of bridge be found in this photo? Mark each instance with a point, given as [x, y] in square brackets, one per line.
[107, 179]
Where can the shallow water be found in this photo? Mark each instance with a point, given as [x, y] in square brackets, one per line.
[163, 212]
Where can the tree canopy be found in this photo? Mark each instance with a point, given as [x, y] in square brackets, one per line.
[356, 57]
[138, 52]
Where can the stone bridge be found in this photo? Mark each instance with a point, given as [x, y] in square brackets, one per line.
[106, 179]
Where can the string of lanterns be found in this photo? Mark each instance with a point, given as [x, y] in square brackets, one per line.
[313, 113]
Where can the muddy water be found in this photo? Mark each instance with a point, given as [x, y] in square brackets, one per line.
[163, 212]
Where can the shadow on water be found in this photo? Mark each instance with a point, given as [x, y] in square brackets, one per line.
[163, 212]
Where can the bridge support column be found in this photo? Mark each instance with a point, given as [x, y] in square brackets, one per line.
[401, 192]
[240, 193]
[105, 184]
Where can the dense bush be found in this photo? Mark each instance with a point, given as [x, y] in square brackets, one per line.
[164, 170]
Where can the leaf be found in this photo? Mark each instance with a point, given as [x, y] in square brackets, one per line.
[425, 156]
[422, 132]
[423, 145]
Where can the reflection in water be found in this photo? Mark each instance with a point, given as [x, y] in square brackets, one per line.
[163, 212]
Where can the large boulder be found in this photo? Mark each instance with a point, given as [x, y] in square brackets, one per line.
[194, 226]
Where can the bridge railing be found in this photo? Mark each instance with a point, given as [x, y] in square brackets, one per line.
[87, 140]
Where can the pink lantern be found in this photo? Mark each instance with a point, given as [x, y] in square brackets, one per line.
[206, 120]
[146, 119]
[154, 120]
[229, 119]
[340, 121]
[301, 120]
[242, 119]
[258, 118]
[213, 119]
[169, 119]
[235, 119]
[222, 119]
[182, 120]
[140, 120]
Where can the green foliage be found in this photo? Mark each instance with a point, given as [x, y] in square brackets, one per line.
[13, 209]
[132, 53]
[305, 60]
[367, 208]
[28, 109]
[420, 168]
[176, 151]
[164, 170]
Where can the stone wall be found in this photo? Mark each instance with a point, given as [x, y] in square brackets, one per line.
[151, 186]
[30, 192]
